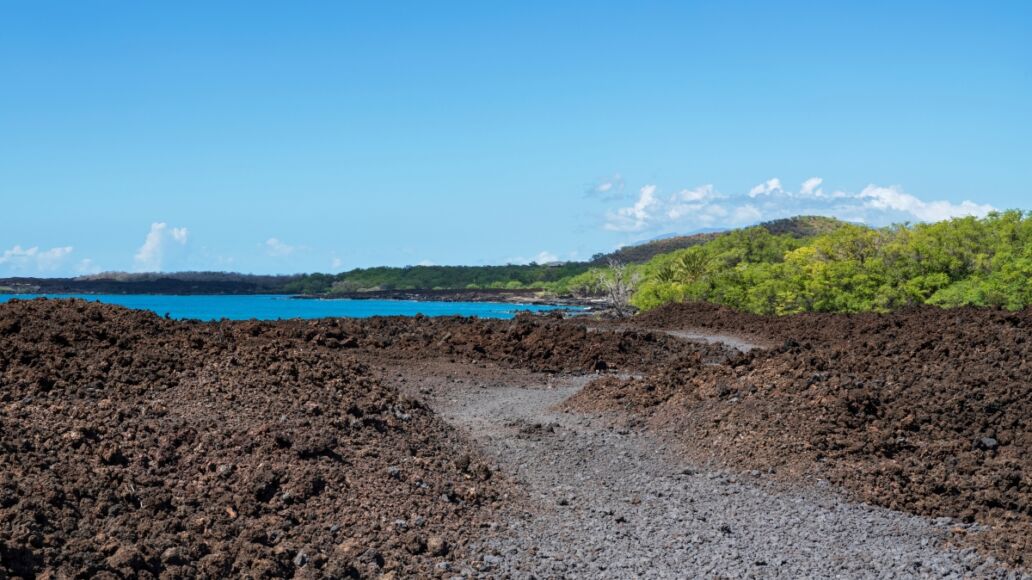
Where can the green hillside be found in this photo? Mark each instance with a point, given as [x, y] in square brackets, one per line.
[799, 226]
[964, 261]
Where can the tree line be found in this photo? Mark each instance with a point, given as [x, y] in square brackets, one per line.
[963, 261]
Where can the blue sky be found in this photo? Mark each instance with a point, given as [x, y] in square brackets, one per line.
[322, 136]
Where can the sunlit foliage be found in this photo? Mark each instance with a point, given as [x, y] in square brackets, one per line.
[964, 261]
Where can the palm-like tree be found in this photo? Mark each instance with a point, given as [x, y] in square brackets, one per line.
[667, 274]
[691, 265]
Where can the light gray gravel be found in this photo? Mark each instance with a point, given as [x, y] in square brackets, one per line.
[724, 339]
[610, 502]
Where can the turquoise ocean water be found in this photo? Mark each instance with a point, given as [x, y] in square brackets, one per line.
[273, 307]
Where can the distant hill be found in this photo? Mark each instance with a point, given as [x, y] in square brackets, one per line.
[388, 278]
[154, 283]
[803, 226]
[643, 252]
[799, 226]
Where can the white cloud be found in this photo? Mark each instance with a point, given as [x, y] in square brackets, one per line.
[52, 258]
[694, 202]
[608, 188]
[689, 206]
[277, 249]
[87, 266]
[766, 188]
[545, 257]
[636, 217]
[336, 263]
[681, 210]
[746, 214]
[701, 193]
[705, 207]
[893, 198]
[811, 187]
[426, 263]
[160, 242]
[34, 260]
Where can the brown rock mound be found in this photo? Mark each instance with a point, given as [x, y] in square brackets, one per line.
[925, 410]
[136, 446]
[527, 341]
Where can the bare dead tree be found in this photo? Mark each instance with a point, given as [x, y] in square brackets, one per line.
[618, 283]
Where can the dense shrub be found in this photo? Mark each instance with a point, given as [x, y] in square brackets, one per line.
[964, 261]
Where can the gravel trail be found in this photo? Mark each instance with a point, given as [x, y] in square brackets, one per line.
[734, 342]
[612, 501]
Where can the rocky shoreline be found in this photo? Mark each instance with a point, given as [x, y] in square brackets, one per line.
[526, 296]
[523, 296]
[434, 447]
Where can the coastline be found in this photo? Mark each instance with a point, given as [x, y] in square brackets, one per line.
[535, 296]
[530, 296]
[289, 306]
